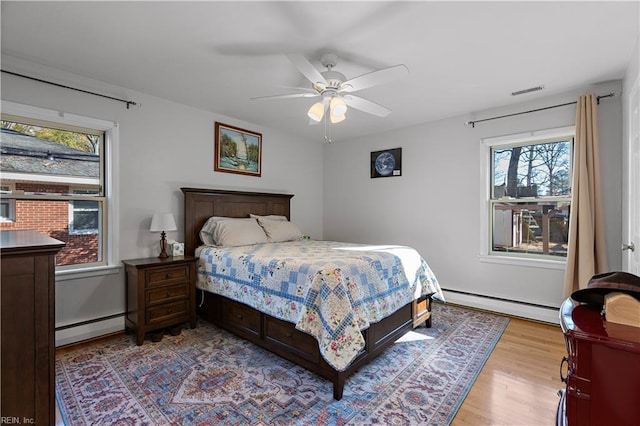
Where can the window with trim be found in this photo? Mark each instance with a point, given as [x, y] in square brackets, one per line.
[7, 206]
[54, 181]
[84, 215]
[529, 194]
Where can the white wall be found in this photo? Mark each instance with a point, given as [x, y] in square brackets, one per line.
[633, 70]
[434, 205]
[632, 75]
[163, 146]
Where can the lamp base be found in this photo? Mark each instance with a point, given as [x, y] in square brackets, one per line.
[163, 246]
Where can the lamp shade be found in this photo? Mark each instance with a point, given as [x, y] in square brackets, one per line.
[335, 120]
[338, 107]
[316, 112]
[163, 222]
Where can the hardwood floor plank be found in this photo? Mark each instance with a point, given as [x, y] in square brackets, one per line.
[518, 385]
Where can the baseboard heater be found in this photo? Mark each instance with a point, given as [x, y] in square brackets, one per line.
[85, 330]
[517, 308]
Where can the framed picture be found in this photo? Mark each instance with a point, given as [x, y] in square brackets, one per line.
[386, 163]
[237, 150]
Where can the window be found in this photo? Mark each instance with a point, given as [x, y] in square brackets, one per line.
[84, 216]
[55, 180]
[7, 206]
[528, 199]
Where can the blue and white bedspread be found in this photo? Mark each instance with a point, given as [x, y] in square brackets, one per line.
[328, 289]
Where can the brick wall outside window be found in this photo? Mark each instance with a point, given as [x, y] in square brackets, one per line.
[52, 218]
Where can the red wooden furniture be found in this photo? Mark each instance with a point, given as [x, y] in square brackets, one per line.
[602, 369]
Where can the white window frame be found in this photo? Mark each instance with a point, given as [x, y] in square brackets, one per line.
[111, 144]
[486, 183]
[72, 211]
[11, 203]
[11, 207]
[72, 214]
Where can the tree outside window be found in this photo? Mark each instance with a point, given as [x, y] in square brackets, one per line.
[530, 197]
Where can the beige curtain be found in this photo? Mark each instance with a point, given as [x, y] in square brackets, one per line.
[586, 254]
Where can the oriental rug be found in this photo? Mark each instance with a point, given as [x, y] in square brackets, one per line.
[207, 376]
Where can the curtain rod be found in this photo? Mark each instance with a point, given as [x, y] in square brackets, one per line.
[473, 122]
[129, 103]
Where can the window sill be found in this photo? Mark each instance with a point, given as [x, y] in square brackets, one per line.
[526, 262]
[97, 271]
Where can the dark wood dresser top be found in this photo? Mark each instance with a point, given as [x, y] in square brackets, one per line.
[17, 240]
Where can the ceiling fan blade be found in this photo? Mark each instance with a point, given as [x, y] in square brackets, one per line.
[366, 106]
[374, 78]
[307, 69]
[300, 89]
[289, 96]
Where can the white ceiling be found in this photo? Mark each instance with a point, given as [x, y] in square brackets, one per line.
[462, 56]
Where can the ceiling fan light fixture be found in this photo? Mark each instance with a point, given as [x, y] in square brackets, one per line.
[338, 119]
[316, 112]
[338, 107]
[335, 89]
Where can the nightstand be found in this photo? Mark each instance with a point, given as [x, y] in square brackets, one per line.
[160, 293]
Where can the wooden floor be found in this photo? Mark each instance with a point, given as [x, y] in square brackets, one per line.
[518, 385]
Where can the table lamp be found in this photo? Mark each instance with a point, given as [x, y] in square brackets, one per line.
[161, 222]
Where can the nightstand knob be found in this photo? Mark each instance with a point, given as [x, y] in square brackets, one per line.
[239, 316]
[169, 294]
[167, 276]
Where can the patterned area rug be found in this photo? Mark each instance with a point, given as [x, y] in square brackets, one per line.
[207, 376]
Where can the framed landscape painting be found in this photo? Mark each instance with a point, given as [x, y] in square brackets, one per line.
[386, 163]
[237, 150]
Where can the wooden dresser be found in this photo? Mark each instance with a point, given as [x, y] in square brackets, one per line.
[160, 293]
[28, 327]
[602, 369]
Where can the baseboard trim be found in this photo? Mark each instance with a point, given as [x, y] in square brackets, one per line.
[88, 330]
[503, 306]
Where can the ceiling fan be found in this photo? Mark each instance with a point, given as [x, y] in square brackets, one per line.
[336, 91]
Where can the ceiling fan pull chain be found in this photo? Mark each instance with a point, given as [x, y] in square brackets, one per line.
[326, 139]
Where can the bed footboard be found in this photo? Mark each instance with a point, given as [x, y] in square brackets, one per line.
[421, 311]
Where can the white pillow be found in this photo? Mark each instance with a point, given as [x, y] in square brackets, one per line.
[238, 232]
[278, 231]
[206, 232]
[270, 217]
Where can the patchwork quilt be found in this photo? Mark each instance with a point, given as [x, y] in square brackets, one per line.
[330, 290]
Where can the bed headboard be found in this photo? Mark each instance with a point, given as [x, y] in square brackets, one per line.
[200, 204]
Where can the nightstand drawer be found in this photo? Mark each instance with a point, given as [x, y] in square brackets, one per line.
[163, 276]
[168, 311]
[167, 294]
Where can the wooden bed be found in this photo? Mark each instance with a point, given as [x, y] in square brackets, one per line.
[273, 334]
